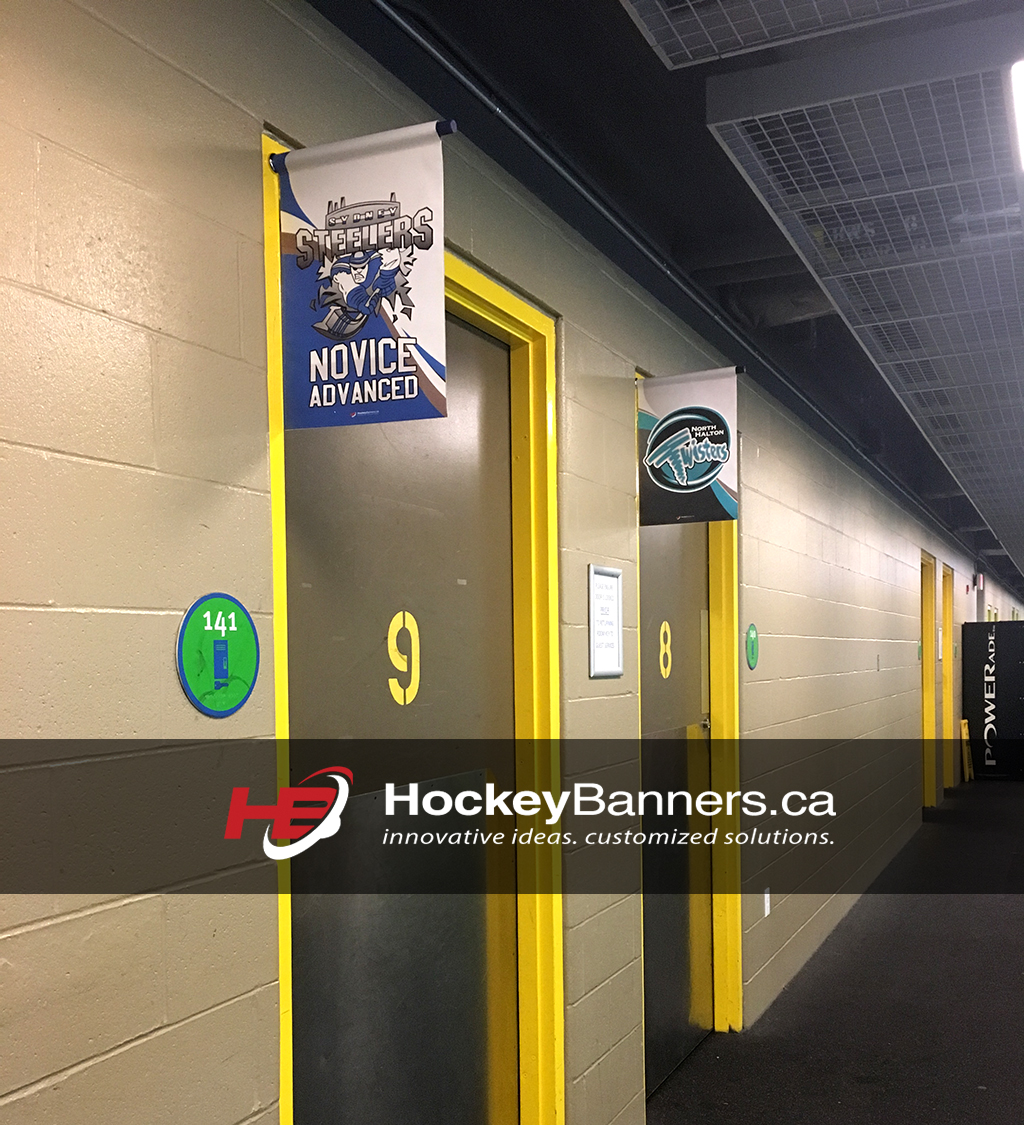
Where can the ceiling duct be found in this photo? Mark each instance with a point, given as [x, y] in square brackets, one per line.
[685, 32]
[771, 302]
[904, 203]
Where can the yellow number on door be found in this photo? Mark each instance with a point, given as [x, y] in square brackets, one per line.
[410, 663]
[665, 655]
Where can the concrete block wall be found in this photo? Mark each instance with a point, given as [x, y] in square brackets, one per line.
[134, 448]
[155, 1008]
[134, 430]
[830, 574]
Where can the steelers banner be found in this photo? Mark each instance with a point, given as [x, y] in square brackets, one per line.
[362, 279]
[686, 430]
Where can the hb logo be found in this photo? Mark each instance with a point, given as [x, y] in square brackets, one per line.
[296, 806]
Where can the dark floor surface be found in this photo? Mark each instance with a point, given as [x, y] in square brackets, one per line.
[912, 1011]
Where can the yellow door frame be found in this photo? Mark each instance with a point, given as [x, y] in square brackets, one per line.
[948, 779]
[726, 986]
[723, 658]
[530, 336]
[927, 680]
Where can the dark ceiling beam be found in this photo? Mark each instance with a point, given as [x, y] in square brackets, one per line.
[893, 61]
[773, 301]
[752, 269]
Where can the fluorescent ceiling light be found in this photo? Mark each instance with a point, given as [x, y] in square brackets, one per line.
[1017, 86]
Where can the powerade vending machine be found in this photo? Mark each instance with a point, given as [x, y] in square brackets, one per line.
[993, 698]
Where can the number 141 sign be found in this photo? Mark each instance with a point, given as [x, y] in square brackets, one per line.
[218, 655]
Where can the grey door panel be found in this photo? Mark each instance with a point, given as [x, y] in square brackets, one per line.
[673, 591]
[413, 517]
[394, 994]
[674, 756]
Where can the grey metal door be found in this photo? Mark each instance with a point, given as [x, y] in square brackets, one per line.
[407, 518]
[674, 756]
[400, 627]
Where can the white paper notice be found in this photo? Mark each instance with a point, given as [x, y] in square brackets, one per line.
[605, 622]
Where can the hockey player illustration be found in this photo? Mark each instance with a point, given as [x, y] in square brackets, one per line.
[357, 283]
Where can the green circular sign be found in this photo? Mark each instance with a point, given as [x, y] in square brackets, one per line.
[218, 655]
[753, 647]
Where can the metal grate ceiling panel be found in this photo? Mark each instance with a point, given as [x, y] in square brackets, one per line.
[906, 206]
[684, 32]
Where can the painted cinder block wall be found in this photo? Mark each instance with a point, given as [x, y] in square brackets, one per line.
[133, 439]
[830, 574]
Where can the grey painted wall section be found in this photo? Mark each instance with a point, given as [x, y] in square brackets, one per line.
[830, 573]
[134, 448]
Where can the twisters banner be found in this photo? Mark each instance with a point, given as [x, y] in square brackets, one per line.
[362, 279]
[686, 428]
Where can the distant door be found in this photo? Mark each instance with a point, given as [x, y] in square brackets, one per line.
[400, 627]
[674, 756]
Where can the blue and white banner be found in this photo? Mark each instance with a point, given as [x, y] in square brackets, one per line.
[686, 430]
[362, 279]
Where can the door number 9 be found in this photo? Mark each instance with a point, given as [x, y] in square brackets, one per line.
[410, 663]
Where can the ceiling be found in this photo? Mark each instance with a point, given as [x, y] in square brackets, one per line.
[902, 196]
[684, 32]
[850, 230]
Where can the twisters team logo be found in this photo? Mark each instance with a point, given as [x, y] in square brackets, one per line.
[688, 449]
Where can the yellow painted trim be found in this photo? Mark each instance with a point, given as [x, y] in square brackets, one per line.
[275, 403]
[286, 1107]
[948, 778]
[723, 645]
[530, 335]
[927, 680]
[701, 915]
[639, 618]
[724, 631]
[539, 930]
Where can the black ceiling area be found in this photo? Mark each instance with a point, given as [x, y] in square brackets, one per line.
[586, 107]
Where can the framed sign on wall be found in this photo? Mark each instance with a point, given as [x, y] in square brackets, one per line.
[605, 622]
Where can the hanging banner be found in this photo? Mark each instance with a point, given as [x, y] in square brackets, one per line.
[362, 279]
[686, 427]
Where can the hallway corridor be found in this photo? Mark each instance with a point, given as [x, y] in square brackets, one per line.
[911, 1012]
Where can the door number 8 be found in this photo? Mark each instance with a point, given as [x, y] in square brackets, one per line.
[410, 663]
[665, 654]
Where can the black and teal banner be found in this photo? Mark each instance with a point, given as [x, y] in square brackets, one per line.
[686, 430]
[362, 279]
